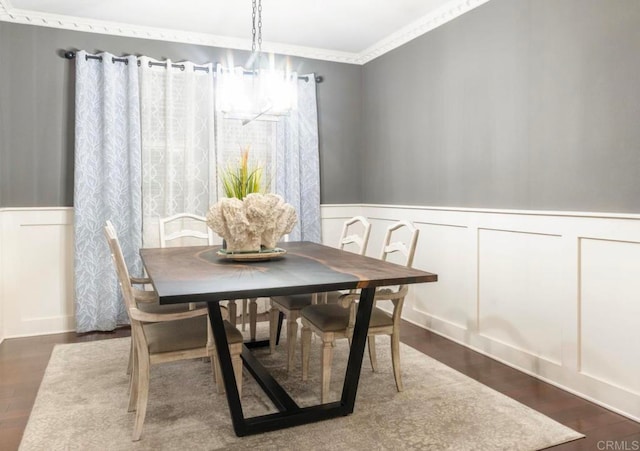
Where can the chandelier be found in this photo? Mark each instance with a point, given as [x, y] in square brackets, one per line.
[260, 90]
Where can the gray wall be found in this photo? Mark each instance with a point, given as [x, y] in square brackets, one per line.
[527, 104]
[36, 111]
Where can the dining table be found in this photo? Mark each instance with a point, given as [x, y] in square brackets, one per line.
[208, 274]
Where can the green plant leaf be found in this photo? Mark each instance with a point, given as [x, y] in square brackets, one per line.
[242, 179]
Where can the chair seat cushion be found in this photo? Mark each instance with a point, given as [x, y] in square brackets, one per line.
[233, 334]
[300, 301]
[180, 335]
[334, 318]
[380, 318]
[184, 334]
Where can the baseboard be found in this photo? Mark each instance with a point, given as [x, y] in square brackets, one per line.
[527, 372]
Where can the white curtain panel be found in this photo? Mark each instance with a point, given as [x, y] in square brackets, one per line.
[297, 162]
[178, 142]
[107, 185]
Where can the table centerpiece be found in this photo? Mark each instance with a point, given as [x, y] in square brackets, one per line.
[248, 219]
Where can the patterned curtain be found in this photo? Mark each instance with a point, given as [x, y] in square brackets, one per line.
[107, 185]
[297, 162]
[178, 142]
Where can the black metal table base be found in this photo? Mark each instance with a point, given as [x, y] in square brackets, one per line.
[289, 413]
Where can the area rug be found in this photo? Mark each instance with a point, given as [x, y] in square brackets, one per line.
[82, 405]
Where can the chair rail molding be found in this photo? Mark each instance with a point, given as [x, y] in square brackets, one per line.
[551, 293]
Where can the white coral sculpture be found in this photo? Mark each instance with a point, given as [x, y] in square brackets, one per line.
[259, 221]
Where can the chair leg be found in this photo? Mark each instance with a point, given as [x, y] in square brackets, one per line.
[273, 328]
[372, 353]
[306, 347]
[325, 378]
[131, 351]
[395, 359]
[237, 366]
[253, 314]
[133, 383]
[292, 335]
[280, 320]
[218, 374]
[143, 396]
[236, 361]
[214, 364]
[233, 312]
[244, 314]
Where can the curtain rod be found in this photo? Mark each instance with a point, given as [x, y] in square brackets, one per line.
[70, 54]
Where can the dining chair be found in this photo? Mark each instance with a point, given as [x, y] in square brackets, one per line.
[186, 229]
[291, 306]
[335, 321]
[165, 337]
[183, 227]
[189, 229]
[147, 298]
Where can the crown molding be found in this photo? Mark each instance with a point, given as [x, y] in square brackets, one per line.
[4, 7]
[10, 14]
[421, 26]
[440, 16]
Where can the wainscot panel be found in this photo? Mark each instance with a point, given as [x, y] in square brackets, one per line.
[36, 292]
[553, 294]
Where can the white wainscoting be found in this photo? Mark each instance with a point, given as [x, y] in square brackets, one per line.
[554, 294]
[36, 271]
[2, 334]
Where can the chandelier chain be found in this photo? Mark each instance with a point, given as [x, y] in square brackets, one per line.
[253, 27]
[259, 25]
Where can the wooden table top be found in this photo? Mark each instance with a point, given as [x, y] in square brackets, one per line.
[198, 273]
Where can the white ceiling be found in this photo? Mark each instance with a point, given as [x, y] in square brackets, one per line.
[344, 30]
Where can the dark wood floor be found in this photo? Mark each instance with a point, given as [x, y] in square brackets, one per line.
[23, 361]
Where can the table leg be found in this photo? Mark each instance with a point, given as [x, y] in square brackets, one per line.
[360, 332]
[226, 366]
[289, 413]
